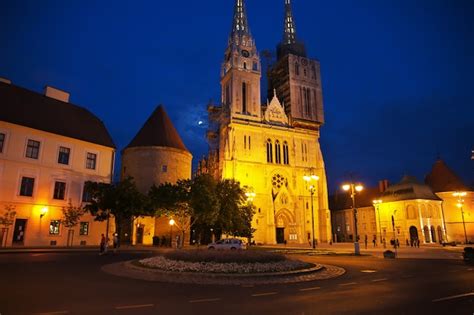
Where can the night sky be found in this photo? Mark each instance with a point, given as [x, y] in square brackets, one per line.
[398, 81]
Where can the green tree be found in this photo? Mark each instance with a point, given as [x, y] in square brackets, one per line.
[71, 217]
[122, 200]
[6, 220]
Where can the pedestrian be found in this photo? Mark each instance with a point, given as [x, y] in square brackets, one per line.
[397, 243]
[418, 243]
[102, 245]
[365, 241]
[408, 244]
[375, 242]
[115, 242]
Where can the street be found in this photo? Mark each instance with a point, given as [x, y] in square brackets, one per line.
[73, 283]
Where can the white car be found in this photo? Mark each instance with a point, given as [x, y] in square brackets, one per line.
[228, 243]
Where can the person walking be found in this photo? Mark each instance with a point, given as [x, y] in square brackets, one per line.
[102, 245]
[115, 242]
[365, 241]
[374, 241]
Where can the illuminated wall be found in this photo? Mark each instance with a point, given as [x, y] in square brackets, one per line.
[46, 171]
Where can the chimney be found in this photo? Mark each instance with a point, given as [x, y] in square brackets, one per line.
[383, 185]
[4, 80]
[56, 94]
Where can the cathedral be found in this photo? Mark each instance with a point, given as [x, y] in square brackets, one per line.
[272, 149]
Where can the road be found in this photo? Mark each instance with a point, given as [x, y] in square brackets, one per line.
[73, 283]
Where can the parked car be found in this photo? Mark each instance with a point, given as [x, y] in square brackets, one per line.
[468, 254]
[228, 243]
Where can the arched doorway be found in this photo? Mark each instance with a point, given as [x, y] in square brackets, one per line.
[280, 230]
[440, 234]
[433, 234]
[413, 234]
[426, 231]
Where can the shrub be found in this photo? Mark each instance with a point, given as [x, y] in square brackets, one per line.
[239, 257]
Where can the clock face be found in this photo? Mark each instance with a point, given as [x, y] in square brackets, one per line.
[245, 53]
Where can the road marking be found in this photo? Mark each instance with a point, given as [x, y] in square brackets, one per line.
[310, 289]
[470, 269]
[53, 313]
[205, 300]
[379, 280]
[453, 297]
[346, 284]
[264, 294]
[127, 307]
[368, 271]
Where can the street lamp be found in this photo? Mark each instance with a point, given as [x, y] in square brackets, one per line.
[172, 222]
[354, 189]
[312, 189]
[460, 195]
[377, 209]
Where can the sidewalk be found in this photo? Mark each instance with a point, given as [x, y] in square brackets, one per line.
[79, 249]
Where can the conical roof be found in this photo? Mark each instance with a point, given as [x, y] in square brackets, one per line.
[443, 179]
[158, 131]
[408, 188]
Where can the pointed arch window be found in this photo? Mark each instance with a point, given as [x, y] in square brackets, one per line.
[269, 151]
[277, 152]
[244, 97]
[286, 157]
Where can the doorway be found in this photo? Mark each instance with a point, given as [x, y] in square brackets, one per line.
[140, 234]
[440, 235]
[19, 232]
[413, 233]
[280, 235]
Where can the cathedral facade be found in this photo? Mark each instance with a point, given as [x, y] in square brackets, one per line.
[272, 149]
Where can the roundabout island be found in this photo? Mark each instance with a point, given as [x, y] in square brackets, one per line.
[223, 268]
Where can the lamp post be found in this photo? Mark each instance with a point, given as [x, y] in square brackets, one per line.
[460, 195]
[312, 189]
[377, 209]
[172, 222]
[354, 189]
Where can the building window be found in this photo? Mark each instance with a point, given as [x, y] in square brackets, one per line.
[54, 227]
[63, 157]
[27, 185]
[245, 142]
[250, 144]
[84, 228]
[286, 158]
[255, 66]
[277, 152]
[59, 190]
[32, 149]
[91, 161]
[2, 141]
[86, 195]
[164, 168]
[244, 97]
[297, 69]
[269, 151]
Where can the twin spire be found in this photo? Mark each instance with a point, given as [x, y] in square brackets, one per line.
[289, 44]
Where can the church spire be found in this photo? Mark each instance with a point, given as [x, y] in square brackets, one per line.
[240, 27]
[289, 30]
[289, 44]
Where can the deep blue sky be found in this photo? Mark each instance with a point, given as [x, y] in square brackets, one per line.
[397, 75]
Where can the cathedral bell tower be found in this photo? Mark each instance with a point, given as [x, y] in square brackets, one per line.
[241, 70]
[297, 78]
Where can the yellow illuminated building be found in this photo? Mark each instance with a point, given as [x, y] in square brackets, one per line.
[48, 149]
[272, 148]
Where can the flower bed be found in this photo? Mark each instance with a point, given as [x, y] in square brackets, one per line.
[244, 262]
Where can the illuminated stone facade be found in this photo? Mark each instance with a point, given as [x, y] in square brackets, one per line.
[263, 148]
[45, 159]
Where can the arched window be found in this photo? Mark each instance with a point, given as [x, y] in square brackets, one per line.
[297, 69]
[286, 157]
[277, 152]
[269, 151]
[244, 97]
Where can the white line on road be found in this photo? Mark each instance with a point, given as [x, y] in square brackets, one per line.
[368, 271]
[264, 294]
[127, 307]
[453, 297]
[379, 280]
[205, 300]
[310, 289]
[53, 313]
[346, 284]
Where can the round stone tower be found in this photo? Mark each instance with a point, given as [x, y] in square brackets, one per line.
[155, 156]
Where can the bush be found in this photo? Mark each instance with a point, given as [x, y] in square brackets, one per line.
[239, 257]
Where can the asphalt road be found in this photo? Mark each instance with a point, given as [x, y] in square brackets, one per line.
[73, 283]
